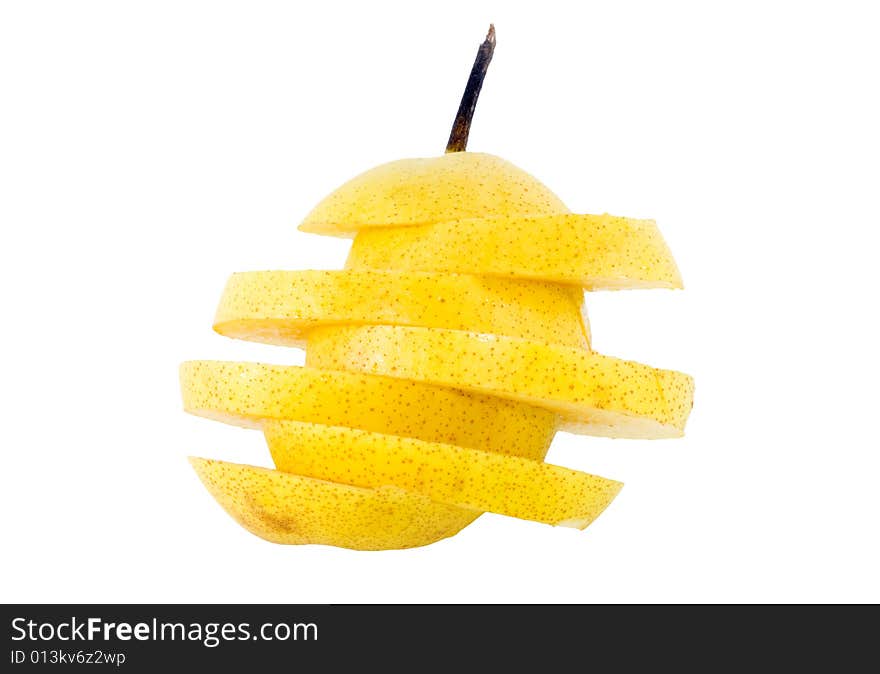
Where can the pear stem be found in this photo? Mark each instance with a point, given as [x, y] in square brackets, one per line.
[461, 127]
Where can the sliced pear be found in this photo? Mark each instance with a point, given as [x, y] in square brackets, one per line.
[279, 307]
[594, 394]
[597, 252]
[468, 478]
[247, 393]
[297, 510]
[422, 191]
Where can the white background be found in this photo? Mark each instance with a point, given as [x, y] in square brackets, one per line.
[148, 150]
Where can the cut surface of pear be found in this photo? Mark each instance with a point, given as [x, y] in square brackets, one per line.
[592, 393]
[596, 252]
[280, 307]
[298, 510]
[245, 394]
[468, 478]
[423, 191]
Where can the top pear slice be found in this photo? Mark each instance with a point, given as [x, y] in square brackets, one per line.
[425, 191]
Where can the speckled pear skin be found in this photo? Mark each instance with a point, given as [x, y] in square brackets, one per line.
[247, 394]
[281, 307]
[440, 362]
[595, 252]
[592, 393]
[296, 510]
[469, 478]
[428, 190]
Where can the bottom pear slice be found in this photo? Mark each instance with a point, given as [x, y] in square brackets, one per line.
[468, 478]
[249, 394]
[297, 510]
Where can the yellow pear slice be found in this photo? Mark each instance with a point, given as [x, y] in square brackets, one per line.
[422, 191]
[597, 252]
[594, 394]
[247, 393]
[279, 307]
[297, 510]
[468, 478]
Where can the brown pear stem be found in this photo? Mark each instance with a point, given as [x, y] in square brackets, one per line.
[461, 127]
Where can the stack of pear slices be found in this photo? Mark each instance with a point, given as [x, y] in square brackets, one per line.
[439, 364]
